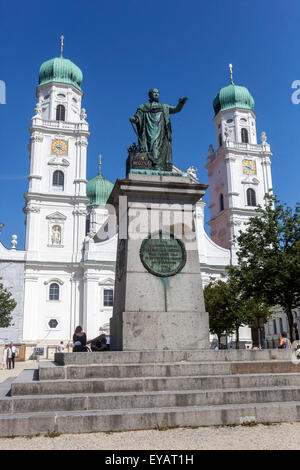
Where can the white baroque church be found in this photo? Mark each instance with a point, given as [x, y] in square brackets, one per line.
[65, 275]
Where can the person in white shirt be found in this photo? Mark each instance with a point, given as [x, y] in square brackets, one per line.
[61, 347]
[13, 354]
[4, 357]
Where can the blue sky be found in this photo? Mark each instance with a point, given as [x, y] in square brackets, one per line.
[125, 47]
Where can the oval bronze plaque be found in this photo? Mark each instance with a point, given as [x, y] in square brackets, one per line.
[162, 254]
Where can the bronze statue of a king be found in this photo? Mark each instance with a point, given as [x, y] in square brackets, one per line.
[153, 128]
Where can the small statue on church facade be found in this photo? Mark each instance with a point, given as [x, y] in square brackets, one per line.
[56, 235]
[153, 129]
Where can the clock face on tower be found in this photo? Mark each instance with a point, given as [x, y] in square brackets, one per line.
[249, 167]
[59, 147]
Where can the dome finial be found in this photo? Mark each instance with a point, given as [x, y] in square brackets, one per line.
[230, 68]
[61, 45]
[100, 163]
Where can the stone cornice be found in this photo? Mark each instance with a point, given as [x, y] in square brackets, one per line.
[56, 197]
[73, 130]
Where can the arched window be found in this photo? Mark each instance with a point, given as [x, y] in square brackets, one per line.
[54, 291]
[60, 113]
[251, 197]
[221, 202]
[220, 140]
[58, 179]
[244, 135]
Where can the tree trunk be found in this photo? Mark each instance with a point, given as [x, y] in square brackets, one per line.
[237, 338]
[290, 319]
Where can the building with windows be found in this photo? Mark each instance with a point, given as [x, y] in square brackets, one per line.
[65, 275]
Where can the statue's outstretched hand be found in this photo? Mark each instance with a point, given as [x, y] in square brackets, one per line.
[183, 100]
[132, 119]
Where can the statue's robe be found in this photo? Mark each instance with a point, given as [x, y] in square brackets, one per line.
[155, 133]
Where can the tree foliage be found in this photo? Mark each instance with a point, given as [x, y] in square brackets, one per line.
[7, 305]
[229, 308]
[269, 257]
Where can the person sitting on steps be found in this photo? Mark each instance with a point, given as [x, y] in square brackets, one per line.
[284, 341]
[98, 343]
[79, 340]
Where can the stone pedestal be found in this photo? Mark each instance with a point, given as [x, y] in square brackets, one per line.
[164, 311]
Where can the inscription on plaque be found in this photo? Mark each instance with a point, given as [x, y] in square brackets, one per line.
[163, 255]
[140, 161]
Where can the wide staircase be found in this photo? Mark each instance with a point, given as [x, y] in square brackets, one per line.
[118, 391]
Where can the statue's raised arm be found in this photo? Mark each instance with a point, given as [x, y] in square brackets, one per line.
[178, 108]
[151, 123]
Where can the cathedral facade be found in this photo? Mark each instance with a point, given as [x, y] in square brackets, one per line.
[65, 275]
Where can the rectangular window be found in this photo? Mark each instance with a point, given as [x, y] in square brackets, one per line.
[108, 298]
[281, 325]
[275, 327]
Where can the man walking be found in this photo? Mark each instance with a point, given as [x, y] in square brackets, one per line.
[13, 354]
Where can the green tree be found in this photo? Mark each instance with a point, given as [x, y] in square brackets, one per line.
[7, 305]
[216, 295]
[229, 308]
[269, 257]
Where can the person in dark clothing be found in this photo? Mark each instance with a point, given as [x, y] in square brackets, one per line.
[79, 340]
[99, 343]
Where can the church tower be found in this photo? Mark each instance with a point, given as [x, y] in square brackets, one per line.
[239, 169]
[55, 203]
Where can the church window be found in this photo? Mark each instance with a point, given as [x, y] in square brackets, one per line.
[274, 327]
[108, 298]
[61, 95]
[54, 291]
[53, 323]
[60, 113]
[221, 202]
[88, 224]
[244, 135]
[220, 140]
[281, 325]
[251, 197]
[58, 179]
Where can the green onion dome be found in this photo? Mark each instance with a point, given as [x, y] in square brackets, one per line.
[60, 70]
[98, 190]
[233, 96]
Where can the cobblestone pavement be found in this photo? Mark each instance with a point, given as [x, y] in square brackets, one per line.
[19, 366]
[280, 437]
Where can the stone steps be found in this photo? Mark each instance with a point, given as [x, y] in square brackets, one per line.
[176, 369]
[27, 384]
[132, 390]
[147, 400]
[125, 420]
[142, 357]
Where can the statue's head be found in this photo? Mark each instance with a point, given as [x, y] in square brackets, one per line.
[153, 95]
